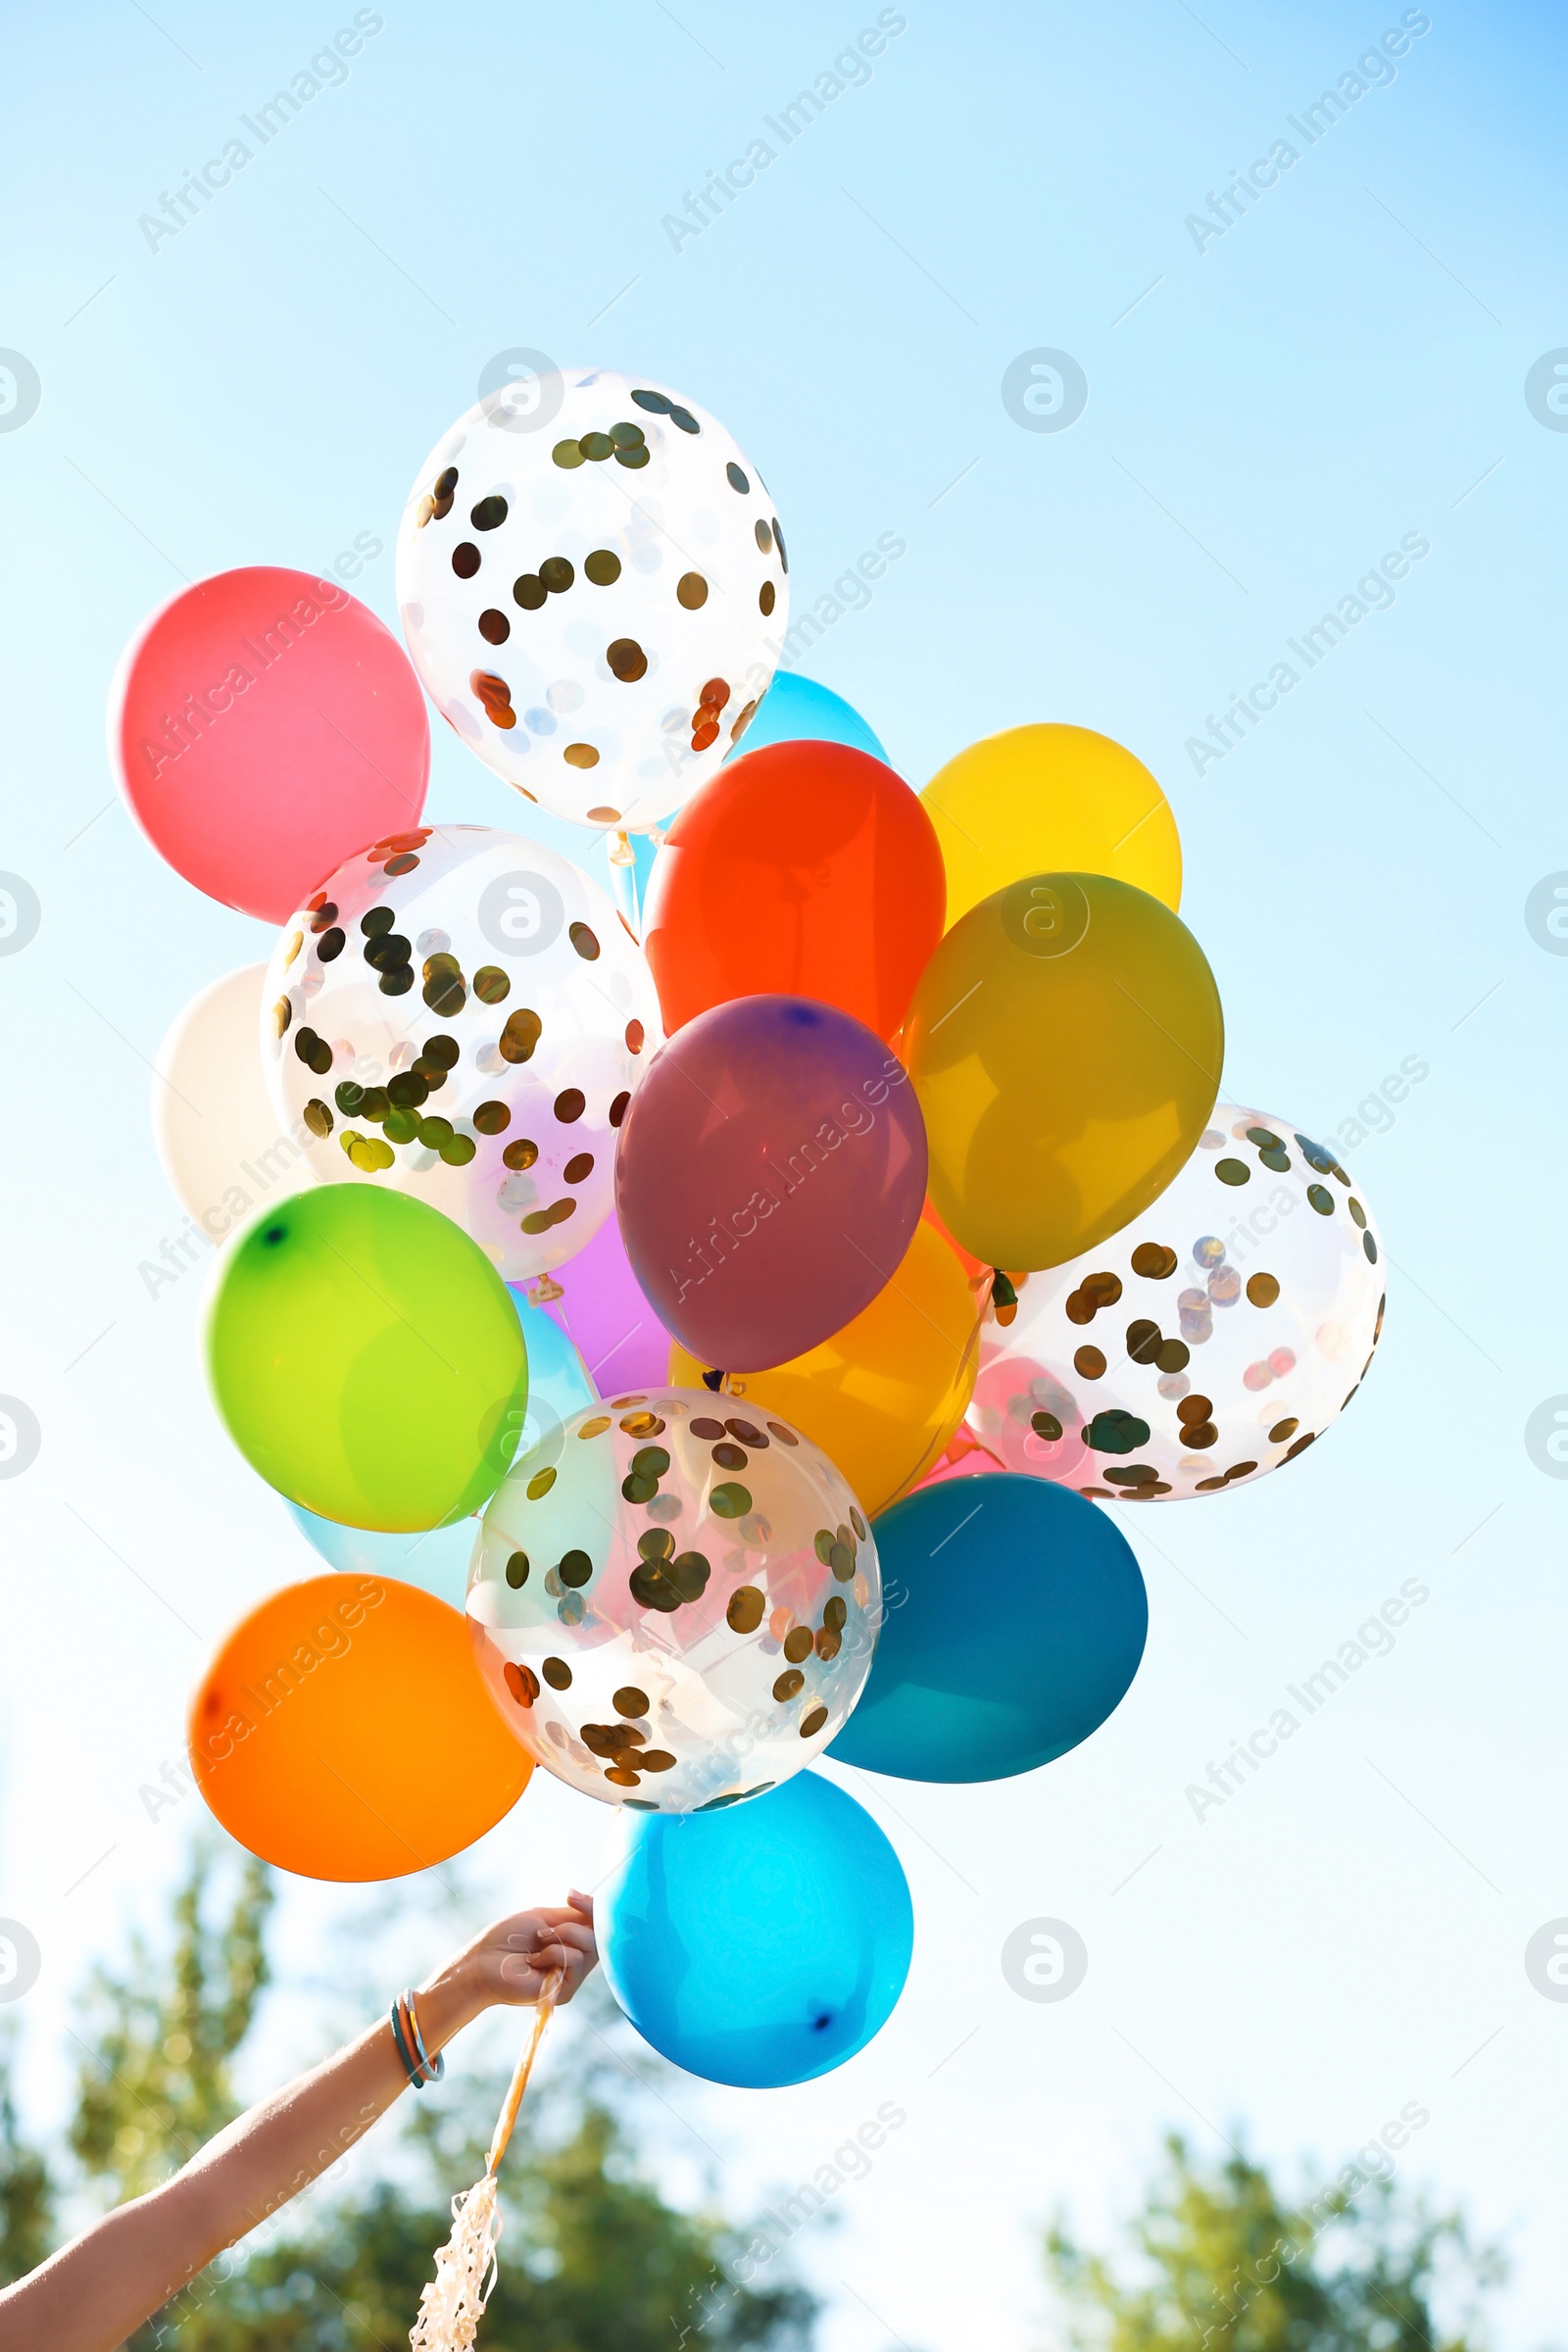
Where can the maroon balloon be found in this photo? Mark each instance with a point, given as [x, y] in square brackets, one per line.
[770, 1173]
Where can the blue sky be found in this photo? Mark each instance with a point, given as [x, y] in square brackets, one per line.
[1268, 412]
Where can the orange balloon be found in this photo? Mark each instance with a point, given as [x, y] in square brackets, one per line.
[804, 869]
[344, 1731]
[883, 1396]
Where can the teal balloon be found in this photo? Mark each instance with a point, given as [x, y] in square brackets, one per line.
[762, 1944]
[796, 709]
[438, 1559]
[1015, 1619]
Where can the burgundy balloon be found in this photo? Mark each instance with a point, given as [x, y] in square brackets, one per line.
[771, 1169]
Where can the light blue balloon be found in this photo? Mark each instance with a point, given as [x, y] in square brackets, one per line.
[437, 1560]
[796, 709]
[762, 1944]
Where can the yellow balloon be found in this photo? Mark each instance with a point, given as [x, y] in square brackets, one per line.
[1050, 799]
[884, 1395]
[1065, 1042]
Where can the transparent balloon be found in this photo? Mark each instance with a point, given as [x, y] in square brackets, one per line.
[593, 589]
[675, 1604]
[466, 1016]
[1209, 1342]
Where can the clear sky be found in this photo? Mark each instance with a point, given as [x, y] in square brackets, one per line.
[1269, 411]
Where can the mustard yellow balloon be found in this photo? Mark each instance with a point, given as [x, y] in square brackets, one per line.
[1065, 1042]
[1050, 799]
[884, 1395]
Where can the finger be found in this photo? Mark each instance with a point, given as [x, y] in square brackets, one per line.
[579, 1936]
[581, 1902]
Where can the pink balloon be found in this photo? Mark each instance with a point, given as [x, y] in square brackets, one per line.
[263, 726]
[607, 1318]
[770, 1172]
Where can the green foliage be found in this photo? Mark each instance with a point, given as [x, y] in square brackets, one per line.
[593, 2259]
[27, 2193]
[156, 2080]
[596, 2257]
[1220, 2263]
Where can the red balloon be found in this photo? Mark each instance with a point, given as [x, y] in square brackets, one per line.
[771, 1170]
[263, 726]
[806, 869]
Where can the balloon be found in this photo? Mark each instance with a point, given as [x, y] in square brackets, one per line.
[366, 1358]
[795, 709]
[806, 869]
[437, 1559]
[434, 1559]
[1050, 799]
[967, 1258]
[674, 1599]
[342, 1733]
[596, 1302]
[964, 1457]
[1065, 1042]
[221, 1144]
[597, 631]
[262, 726]
[770, 1172]
[883, 1395]
[759, 1950]
[1213, 1339]
[532, 1012]
[1016, 1617]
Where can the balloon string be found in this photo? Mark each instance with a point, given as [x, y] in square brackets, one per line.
[524, 2067]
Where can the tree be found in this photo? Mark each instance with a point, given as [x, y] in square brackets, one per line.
[594, 2259]
[156, 2081]
[597, 2258]
[1222, 2265]
[27, 2191]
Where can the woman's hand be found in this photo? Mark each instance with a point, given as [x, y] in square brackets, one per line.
[509, 1963]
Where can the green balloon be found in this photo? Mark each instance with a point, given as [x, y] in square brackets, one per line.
[367, 1358]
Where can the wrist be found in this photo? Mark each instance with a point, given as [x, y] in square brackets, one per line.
[448, 2001]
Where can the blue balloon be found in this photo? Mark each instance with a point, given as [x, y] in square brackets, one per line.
[1014, 1620]
[796, 709]
[762, 1944]
[437, 1560]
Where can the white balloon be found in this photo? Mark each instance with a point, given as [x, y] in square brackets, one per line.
[465, 1015]
[598, 627]
[223, 1147]
[1213, 1339]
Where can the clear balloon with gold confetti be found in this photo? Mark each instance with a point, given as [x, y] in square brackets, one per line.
[593, 589]
[674, 1601]
[1209, 1342]
[460, 1014]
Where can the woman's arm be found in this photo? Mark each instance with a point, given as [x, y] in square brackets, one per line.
[90, 2295]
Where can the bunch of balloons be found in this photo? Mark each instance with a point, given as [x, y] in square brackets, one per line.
[699, 1327]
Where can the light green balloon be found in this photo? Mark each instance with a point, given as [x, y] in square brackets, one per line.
[367, 1358]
